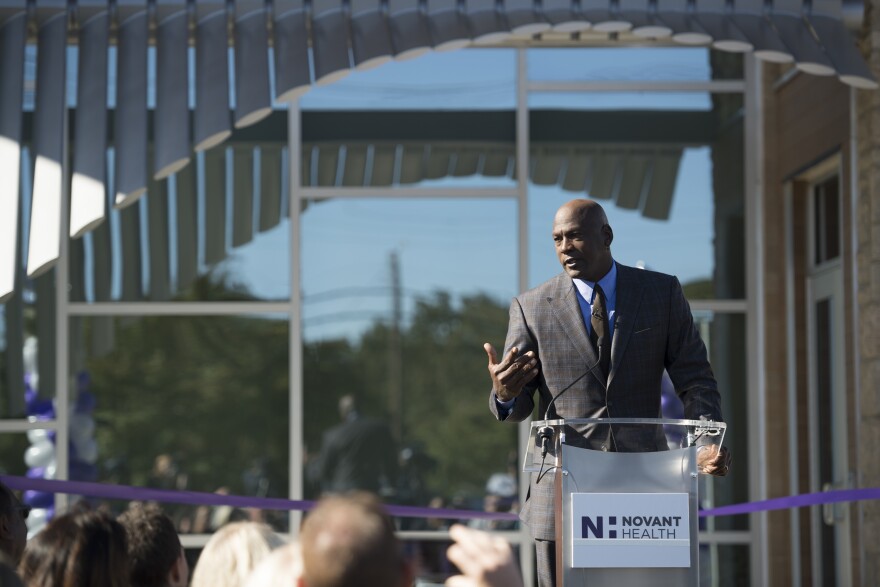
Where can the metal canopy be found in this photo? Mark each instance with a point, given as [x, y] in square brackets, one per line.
[307, 43]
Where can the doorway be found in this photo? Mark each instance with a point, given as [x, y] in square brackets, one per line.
[827, 400]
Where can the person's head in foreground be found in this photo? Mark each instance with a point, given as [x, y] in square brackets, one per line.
[282, 568]
[156, 558]
[348, 541]
[78, 549]
[232, 553]
[13, 529]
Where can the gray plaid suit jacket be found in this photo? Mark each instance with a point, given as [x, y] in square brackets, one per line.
[653, 330]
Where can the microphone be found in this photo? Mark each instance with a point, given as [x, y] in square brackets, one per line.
[545, 433]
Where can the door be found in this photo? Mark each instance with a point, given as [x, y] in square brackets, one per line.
[827, 389]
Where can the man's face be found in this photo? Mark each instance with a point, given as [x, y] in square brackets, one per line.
[582, 243]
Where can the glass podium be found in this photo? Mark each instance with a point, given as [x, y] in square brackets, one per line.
[626, 514]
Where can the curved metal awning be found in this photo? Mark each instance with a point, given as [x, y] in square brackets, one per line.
[307, 43]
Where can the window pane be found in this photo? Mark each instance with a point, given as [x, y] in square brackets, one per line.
[827, 220]
[197, 403]
[725, 338]
[688, 101]
[13, 447]
[398, 298]
[466, 79]
[724, 565]
[31, 454]
[632, 64]
[674, 207]
[27, 350]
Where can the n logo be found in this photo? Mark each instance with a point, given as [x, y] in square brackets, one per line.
[596, 527]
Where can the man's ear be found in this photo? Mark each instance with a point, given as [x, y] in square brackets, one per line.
[179, 573]
[609, 235]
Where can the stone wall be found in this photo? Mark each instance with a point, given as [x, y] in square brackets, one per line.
[868, 257]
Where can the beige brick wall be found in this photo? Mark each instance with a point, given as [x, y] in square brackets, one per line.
[868, 263]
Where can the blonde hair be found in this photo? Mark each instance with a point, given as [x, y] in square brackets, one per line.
[232, 553]
[282, 568]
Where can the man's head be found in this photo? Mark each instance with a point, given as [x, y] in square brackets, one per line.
[80, 547]
[154, 550]
[348, 541]
[583, 238]
[13, 529]
[347, 406]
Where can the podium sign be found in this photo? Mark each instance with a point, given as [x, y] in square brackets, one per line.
[623, 518]
[626, 530]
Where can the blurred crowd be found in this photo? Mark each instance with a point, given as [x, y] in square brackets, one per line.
[348, 539]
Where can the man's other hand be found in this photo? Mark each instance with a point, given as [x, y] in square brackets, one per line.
[712, 461]
[512, 373]
[484, 560]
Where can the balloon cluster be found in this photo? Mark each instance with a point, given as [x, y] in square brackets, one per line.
[40, 457]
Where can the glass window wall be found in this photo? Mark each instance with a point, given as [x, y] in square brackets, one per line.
[405, 267]
[184, 403]
[398, 298]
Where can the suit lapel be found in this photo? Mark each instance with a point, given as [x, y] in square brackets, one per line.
[565, 306]
[628, 300]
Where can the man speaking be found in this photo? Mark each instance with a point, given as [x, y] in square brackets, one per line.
[593, 342]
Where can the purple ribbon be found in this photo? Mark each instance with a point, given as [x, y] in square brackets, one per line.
[127, 493]
[795, 501]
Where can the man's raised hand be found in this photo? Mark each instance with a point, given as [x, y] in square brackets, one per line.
[511, 374]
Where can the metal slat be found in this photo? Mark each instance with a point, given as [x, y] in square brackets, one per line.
[131, 254]
[171, 125]
[76, 284]
[88, 189]
[635, 169]
[291, 51]
[44, 244]
[663, 175]
[242, 195]
[187, 227]
[13, 312]
[160, 269]
[330, 47]
[215, 205]
[130, 138]
[102, 262]
[12, 42]
[212, 123]
[252, 95]
[270, 187]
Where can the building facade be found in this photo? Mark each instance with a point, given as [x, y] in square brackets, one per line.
[257, 209]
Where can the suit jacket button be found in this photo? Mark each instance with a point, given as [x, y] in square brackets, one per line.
[604, 448]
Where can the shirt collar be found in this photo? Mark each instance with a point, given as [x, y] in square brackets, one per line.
[607, 283]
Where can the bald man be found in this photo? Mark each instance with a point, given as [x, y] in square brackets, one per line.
[348, 541]
[594, 342]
